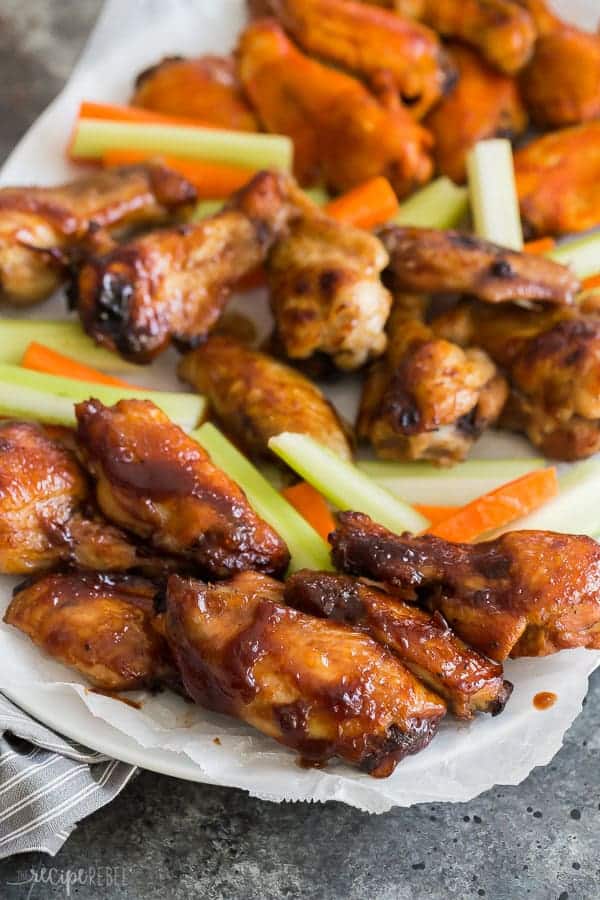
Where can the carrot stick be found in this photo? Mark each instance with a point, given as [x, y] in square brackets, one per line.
[499, 507]
[591, 283]
[114, 112]
[365, 206]
[436, 514]
[212, 180]
[312, 506]
[42, 359]
[540, 246]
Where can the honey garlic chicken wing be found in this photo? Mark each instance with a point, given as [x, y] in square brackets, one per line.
[469, 682]
[256, 397]
[160, 484]
[527, 593]
[341, 133]
[423, 260]
[483, 104]
[318, 687]
[99, 625]
[326, 292]
[206, 88]
[392, 49]
[39, 226]
[427, 398]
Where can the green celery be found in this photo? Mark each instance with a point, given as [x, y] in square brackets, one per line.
[442, 204]
[581, 254]
[493, 193]
[307, 548]
[206, 208]
[343, 484]
[318, 195]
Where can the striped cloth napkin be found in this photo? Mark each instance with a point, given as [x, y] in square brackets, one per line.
[48, 784]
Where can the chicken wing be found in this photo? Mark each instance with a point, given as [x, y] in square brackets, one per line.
[424, 260]
[255, 397]
[402, 53]
[159, 483]
[206, 88]
[483, 104]
[40, 226]
[341, 133]
[318, 687]
[527, 593]
[100, 625]
[558, 181]
[173, 284]
[428, 398]
[468, 682]
[326, 292]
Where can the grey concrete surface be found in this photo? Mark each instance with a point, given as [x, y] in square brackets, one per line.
[169, 840]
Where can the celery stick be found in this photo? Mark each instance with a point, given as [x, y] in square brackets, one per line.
[64, 337]
[206, 208]
[318, 195]
[307, 548]
[93, 137]
[493, 193]
[343, 484]
[581, 254]
[424, 483]
[50, 398]
[442, 204]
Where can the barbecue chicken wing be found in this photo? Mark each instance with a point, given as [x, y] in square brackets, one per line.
[206, 88]
[318, 687]
[423, 260]
[41, 226]
[427, 398]
[173, 284]
[468, 682]
[527, 593]
[100, 625]
[256, 397]
[393, 51]
[341, 133]
[326, 292]
[158, 483]
[558, 181]
[483, 104]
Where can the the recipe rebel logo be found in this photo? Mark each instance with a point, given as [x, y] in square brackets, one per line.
[39, 881]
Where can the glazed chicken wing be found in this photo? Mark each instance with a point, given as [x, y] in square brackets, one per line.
[393, 50]
[424, 260]
[256, 397]
[468, 682]
[558, 181]
[318, 687]
[527, 593]
[40, 226]
[427, 398]
[206, 88]
[341, 133]
[158, 483]
[100, 625]
[484, 103]
[326, 292]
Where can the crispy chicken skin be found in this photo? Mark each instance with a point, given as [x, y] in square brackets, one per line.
[326, 292]
[173, 284]
[318, 687]
[341, 133]
[427, 398]
[467, 681]
[206, 88]
[393, 50]
[425, 260]
[483, 104]
[160, 484]
[255, 397]
[527, 593]
[99, 625]
[558, 181]
[41, 226]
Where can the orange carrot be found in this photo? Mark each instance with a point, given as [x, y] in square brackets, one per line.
[312, 506]
[115, 112]
[212, 180]
[540, 246]
[435, 514]
[591, 283]
[365, 206]
[499, 507]
[43, 359]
